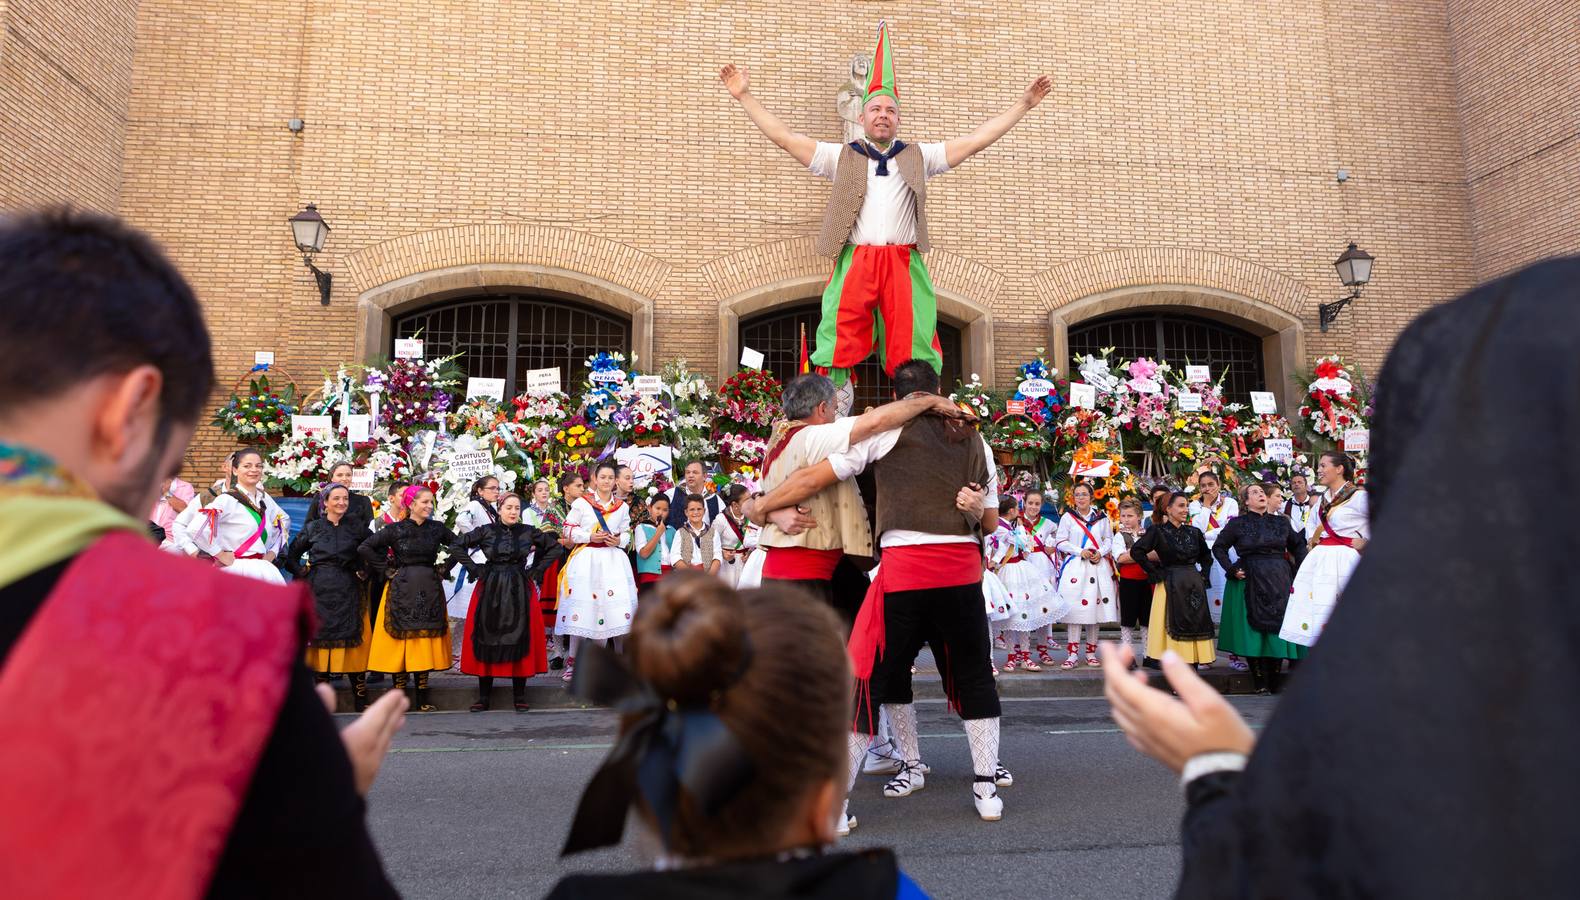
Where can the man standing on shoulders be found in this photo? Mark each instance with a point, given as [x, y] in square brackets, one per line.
[213, 771]
[937, 494]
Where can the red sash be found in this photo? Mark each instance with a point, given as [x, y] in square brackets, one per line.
[740, 538]
[125, 769]
[1333, 540]
[1095, 546]
[1037, 546]
[252, 511]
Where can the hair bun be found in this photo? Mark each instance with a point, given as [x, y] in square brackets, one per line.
[689, 640]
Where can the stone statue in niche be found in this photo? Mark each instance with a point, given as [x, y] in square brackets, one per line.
[850, 97]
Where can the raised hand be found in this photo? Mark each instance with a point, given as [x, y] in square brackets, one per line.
[1037, 91]
[734, 78]
[1168, 730]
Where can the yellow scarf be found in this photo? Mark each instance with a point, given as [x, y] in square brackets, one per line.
[48, 515]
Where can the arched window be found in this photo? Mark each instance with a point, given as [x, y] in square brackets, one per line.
[777, 335]
[1178, 340]
[505, 336]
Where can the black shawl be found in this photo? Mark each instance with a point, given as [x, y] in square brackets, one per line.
[1266, 544]
[338, 594]
[1182, 566]
[502, 605]
[415, 603]
[1406, 759]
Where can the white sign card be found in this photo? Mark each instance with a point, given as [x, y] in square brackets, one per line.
[471, 464]
[1101, 468]
[263, 358]
[408, 348]
[751, 359]
[1263, 404]
[362, 479]
[1281, 449]
[543, 381]
[646, 462]
[490, 388]
[1035, 387]
[649, 385]
[1201, 374]
[1190, 401]
[1357, 440]
[320, 426]
[1083, 396]
[358, 428]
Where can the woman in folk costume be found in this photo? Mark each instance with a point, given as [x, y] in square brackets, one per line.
[1337, 535]
[1209, 514]
[652, 539]
[503, 636]
[481, 509]
[1033, 602]
[694, 545]
[597, 587]
[1180, 620]
[1135, 588]
[875, 224]
[244, 530]
[1268, 551]
[1087, 578]
[410, 634]
[733, 534]
[1039, 534]
[338, 577]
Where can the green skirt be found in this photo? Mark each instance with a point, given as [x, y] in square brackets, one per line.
[1235, 634]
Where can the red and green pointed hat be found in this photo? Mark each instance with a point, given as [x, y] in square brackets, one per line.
[882, 80]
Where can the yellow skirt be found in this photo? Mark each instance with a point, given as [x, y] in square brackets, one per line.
[1159, 642]
[341, 660]
[392, 654]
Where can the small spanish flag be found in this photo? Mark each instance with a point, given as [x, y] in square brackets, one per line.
[806, 361]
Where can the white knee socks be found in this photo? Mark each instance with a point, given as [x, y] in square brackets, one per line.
[857, 750]
[902, 719]
[982, 735]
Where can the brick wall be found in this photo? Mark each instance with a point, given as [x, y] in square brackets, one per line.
[65, 76]
[1517, 69]
[1177, 129]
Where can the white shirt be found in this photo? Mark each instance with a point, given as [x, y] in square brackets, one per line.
[888, 214]
[582, 521]
[235, 526]
[862, 454]
[1300, 516]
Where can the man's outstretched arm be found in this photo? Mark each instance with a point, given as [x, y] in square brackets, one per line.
[803, 484]
[894, 415]
[961, 149]
[797, 145]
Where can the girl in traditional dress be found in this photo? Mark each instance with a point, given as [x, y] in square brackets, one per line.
[1254, 602]
[1180, 620]
[338, 578]
[481, 509]
[244, 530]
[1038, 535]
[410, 634]
[1087, 577]
[652, 542]
[597, 587]
[1337, 536]
[733, 534]
[1135, 589]
[1209, 514]
[1033, 602]
[571, 486]
[694, 546]
[995, 547]
[504, 629]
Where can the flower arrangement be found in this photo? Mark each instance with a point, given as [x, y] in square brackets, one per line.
[748, 404]
[535, 418]
[977, 399]
[416, 393]
[650, 421]
[691, 417]
[389, 464]
[302, 464]
[741, 450]
[1017, 439]
[1107, 491]
[1042, 410]
[1334, 401]
[262, 414]
[606, 382]
[572, 446]
[478, 417]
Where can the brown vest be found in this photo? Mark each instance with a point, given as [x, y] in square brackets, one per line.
[850, 191]
[917, 481]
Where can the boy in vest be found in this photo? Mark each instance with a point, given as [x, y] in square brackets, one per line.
[937, 493]
[875, 225]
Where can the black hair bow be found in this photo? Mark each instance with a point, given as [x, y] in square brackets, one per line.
[665, 749]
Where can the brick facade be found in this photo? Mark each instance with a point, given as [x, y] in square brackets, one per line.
[1186, 157]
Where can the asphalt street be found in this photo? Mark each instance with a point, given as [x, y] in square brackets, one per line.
[478, 804]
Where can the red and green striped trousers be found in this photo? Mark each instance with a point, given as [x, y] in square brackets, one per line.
[878, 295]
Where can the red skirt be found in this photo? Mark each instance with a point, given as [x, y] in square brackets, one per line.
[536, 662]
[548, 595]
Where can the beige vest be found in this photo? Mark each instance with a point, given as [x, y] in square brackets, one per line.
[850, 191]
[841, 517]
